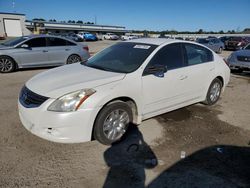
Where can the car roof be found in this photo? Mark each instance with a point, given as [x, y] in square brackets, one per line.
[154, 41]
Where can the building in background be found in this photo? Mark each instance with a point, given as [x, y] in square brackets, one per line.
[13, 25]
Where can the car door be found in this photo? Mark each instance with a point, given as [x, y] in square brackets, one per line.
[168, 90]
[58, 50]
[33, 54]
[200, 69]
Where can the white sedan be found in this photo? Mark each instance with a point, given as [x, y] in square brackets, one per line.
[120, 86]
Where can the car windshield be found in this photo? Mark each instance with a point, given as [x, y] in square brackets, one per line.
[14, 41]
[123, 57]
[203, 41]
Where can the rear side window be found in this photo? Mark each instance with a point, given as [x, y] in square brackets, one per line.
[56, 42]
[170, 56]
[196, 54]
[36, 42]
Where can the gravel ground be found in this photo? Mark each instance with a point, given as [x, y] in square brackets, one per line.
[214, 141]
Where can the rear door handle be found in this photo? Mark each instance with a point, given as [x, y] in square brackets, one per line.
[183, 77]
[67, 49]
[45, 50]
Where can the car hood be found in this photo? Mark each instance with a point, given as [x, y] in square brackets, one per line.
[242, 53]
[69, 78]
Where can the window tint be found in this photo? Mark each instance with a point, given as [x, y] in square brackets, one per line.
[197, 54]
[57, 42]
[170, 56]
[36, 42]
[70, 43]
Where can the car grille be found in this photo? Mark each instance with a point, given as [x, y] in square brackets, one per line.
[30, 99]
[243, 58]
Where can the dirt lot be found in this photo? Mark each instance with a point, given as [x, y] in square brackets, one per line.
[215, 141]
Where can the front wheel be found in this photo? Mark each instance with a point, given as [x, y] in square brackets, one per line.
[112, 122]
[214, 92]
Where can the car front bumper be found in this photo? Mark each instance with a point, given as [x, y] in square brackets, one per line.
[62, 127]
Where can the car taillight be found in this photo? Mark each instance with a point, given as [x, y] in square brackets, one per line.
[86, 48]
[226, 62]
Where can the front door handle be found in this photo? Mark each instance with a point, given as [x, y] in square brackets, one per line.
[183, 77]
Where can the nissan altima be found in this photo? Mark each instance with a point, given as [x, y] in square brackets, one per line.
[119, 87]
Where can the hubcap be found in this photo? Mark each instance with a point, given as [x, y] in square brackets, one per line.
[5, 65]
[73, 59]
[115, 124]
[215, 91]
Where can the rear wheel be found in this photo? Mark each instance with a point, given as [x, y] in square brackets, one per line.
[112, 122]
[7, 64]
[73, 59]
[214, 92]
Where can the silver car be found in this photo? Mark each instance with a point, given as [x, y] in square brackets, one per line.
[213, 43]
[240, 60]
[40, 51]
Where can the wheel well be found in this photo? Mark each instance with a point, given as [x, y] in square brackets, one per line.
[127, 100]
[11, 59]
[221, 79]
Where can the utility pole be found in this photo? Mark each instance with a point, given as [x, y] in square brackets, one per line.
[13, 6]
[95, 20]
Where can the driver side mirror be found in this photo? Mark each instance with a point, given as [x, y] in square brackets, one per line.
[25, 46]
[157, 70]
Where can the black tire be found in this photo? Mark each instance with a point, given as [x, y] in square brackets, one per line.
[73, 59]
[209, 99]
[103, 115]
[7, 64]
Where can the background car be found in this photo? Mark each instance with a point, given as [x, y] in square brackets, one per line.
[40, 51]
[87, 36]
[236, 43]
[128, 37]
[110, 36]
[74, 37]
[239, 61]
[212, 43]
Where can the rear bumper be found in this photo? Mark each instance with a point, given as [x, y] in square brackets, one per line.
[239, 65]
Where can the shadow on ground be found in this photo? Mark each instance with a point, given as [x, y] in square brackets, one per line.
[216, 166]
[128, 160]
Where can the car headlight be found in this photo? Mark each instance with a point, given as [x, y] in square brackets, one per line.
[71, 102]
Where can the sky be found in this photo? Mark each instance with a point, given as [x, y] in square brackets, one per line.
[158, 15]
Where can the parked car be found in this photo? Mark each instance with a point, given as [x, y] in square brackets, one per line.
[128, 37]
[125, 83]
[240, 60]
[236, 43]
[224, 39]
[212, 43]
[74, 37]
[87, 36]
[110, 36]
[40, 51]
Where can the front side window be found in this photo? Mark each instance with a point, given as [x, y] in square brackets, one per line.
[170, 56]
[124, 57]
[36, 42]
[196, 54]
